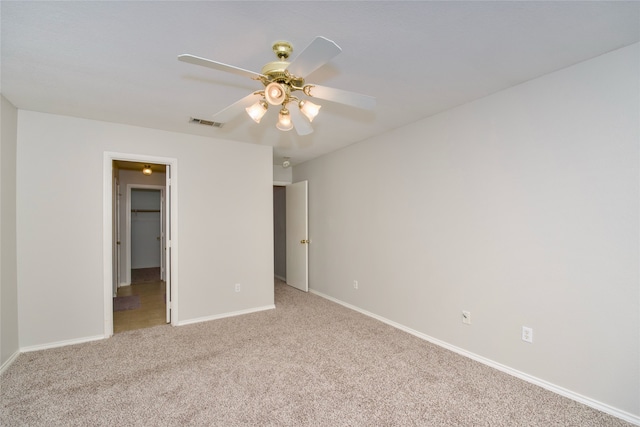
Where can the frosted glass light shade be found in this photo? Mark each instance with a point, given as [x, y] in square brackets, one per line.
[284, 120]
[309, 109]
[147, 170]
[257, 110]
[275, 93]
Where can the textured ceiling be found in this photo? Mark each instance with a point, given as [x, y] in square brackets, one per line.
[117, 61]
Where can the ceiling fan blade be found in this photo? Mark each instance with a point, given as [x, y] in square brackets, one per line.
[234, 109]
[315, 55]
[302, 125]
[353, 99]
[196, 60]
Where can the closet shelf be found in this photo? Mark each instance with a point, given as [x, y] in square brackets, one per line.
[144, 210]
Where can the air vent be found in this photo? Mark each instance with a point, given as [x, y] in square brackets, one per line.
[206, 122]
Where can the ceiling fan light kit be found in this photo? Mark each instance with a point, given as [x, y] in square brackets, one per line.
[284, 120]
[276, 93]
[257, 110]
[282, 78]
[309, 109]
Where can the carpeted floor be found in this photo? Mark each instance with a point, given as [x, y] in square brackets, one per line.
[309, 362]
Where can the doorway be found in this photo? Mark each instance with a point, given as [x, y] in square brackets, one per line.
[144, 230]
[140, 302]
[290, 228]
[280, 232]
[297, 235]
[140, 228]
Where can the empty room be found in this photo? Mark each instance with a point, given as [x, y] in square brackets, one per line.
[345, 213]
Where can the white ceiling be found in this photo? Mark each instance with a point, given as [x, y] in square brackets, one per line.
[117, 61]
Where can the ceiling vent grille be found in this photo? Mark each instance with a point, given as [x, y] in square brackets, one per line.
[206, 122]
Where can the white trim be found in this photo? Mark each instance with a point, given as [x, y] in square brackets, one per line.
[281, 183]
[224, 315]
[626, 416]
[284, 279]
[62, 343]
[9, 361]
[107, 243]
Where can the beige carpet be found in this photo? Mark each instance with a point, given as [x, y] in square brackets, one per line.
[309, 362]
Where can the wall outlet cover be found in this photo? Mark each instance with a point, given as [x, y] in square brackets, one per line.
[466, 317]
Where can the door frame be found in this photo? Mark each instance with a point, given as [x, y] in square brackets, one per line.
[130, 187]
[107, 228]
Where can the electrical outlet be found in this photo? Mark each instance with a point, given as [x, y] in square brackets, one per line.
[466, 317]
[527, 334]
[237, 287]
[355, 284]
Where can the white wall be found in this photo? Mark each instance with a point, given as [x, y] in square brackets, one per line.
[8, 265]
[224, 225]
[282, 175]
[521, 207]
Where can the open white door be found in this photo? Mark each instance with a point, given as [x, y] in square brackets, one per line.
[166, 242]
[297, 236]
[162, 237]
[117, 248]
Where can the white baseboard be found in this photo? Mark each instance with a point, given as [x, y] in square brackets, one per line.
[182, 323]
[61, 343]
[634, 419]
[284, 279]
[9, 361]
[123, 284]
[223, 315]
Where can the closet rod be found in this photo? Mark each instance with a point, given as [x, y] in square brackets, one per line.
[144, 210]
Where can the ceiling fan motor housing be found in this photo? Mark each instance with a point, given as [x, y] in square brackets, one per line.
[276, 71]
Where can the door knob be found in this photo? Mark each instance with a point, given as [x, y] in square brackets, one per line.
[303, 241]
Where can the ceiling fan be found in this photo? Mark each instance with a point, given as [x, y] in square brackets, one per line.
[282, 80]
